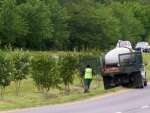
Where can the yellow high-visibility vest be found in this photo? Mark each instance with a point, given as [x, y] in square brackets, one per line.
[88, 73]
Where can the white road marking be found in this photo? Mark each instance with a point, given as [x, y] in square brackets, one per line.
[118, 112]
[145, 107]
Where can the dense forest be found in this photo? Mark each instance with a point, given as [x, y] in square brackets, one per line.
[72, 24]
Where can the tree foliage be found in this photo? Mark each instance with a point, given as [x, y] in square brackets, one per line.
[38, 20]
[45, 72]
[69, 25]
[5, 72]
[20, 69]
[68, 66]
[12, 25]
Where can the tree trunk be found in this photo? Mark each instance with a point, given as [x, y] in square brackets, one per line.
[45, 91]
[2, 92]
[98, 79]
[18, 84]
[67, 89]
[82, 82]
[39, 88]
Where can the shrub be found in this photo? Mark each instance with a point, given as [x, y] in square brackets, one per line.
[5, 71]
[68, 66]
[20, 68]
[45, 72]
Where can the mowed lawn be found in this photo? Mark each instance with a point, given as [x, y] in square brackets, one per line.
[147, 61]
[31, 97]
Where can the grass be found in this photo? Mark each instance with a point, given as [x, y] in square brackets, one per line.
[30, 97]
[147, 61]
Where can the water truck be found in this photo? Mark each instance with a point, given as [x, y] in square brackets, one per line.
[123, 66]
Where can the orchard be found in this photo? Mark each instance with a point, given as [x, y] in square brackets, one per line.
[46, 70]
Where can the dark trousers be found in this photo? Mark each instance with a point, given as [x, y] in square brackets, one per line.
[87, 83]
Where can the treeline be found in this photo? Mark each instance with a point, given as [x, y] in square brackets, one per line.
[48, 71]
[72, 24]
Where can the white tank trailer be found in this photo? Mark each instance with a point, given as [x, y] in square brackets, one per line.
[112, 57]
[123, 66]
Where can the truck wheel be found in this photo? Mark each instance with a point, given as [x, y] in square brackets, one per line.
[139, 80]
[106, 80]
[145, 83]
[126, 85]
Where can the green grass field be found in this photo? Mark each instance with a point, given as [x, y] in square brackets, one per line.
[30, 97]
[147, 61]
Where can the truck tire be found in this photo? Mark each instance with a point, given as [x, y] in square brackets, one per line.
[145, 83]
[127, 85]
[107, 82]
[139, 81]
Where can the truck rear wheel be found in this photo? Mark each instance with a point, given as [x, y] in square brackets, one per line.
[138, 80]
[145, 83]
[107, 82]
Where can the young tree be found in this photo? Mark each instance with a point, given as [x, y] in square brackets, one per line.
[20, 68]
[45, 72]
[68, 65]
[5, 72]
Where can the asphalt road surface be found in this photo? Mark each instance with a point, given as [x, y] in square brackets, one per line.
[132, 101]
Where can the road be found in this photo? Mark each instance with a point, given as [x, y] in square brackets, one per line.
[132, 101]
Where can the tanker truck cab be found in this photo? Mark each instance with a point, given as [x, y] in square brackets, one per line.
[123, 67]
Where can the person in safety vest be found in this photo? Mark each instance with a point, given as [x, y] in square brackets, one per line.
[87, 78]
